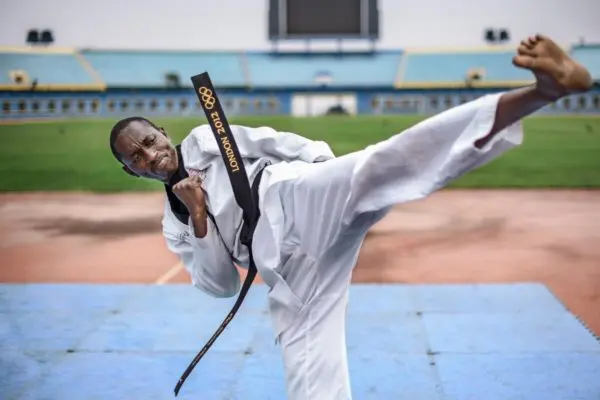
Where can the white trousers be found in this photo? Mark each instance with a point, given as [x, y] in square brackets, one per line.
[328, 211]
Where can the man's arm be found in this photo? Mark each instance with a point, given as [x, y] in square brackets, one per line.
[206, 259]
[202, 251]
[267, 142]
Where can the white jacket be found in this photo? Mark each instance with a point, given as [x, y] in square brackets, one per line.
[208, 260]
[405, 167]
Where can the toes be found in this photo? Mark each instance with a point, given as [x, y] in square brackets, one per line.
[526, 50]
[532, 63]
[522, 61]
[531, 41]
[526, 44]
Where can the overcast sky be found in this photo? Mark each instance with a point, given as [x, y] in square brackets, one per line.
[242, 24]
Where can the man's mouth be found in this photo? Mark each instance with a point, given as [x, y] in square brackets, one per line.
[161, 164]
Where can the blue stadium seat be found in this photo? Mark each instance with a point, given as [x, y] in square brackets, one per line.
[46, 68]
[148, 68]
[310, 70]
[454, 66]
[590, 57]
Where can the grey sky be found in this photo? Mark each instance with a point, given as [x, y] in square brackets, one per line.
[241, 24]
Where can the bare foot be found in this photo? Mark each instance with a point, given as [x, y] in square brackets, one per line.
[557, 74]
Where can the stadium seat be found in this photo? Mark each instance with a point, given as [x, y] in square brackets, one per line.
[589, 55]
[317, 70]
[46, 68]
[151, 68]
[441, 67]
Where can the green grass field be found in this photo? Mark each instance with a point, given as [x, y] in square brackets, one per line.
[74, 155]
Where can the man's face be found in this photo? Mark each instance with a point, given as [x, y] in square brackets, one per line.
[147, 151]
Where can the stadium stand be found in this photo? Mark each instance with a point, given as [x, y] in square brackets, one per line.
[327, 69]
[423, 68]
[51, 68]
[64, 83]
[151, 68]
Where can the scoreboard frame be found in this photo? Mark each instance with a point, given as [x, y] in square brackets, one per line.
[278, 29]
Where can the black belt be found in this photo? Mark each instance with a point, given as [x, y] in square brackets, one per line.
[245, 196]
[247, 232]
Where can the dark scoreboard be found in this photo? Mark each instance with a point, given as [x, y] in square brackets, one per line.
[327, 19]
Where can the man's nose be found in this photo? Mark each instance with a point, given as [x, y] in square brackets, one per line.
[151, 155]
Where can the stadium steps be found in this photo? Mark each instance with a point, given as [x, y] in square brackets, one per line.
[245, 68]
[401, 69]
[89, 69]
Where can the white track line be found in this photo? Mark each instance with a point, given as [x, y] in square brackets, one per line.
[167, 276]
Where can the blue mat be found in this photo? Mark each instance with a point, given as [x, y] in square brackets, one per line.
[430, 342]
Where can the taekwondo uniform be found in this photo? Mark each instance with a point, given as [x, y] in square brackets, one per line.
[316, 210]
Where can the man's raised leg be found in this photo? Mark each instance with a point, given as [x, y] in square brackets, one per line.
[431, 154]
[333, 205]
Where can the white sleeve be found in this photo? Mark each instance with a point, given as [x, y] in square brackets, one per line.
[207, 260]
[429, 155]
[267, 142]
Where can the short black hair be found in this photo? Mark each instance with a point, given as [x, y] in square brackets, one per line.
[120, 126]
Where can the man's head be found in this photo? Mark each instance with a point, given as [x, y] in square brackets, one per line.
[144, 149]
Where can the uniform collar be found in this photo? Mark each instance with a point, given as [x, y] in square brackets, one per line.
[177, 207]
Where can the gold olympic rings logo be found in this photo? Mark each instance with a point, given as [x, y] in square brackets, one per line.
[206, 95]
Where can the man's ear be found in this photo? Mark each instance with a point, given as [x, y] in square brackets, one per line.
[130, 172]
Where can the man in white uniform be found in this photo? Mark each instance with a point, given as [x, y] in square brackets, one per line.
[316, 209]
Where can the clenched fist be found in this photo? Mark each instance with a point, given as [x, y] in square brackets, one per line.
[189, 191]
